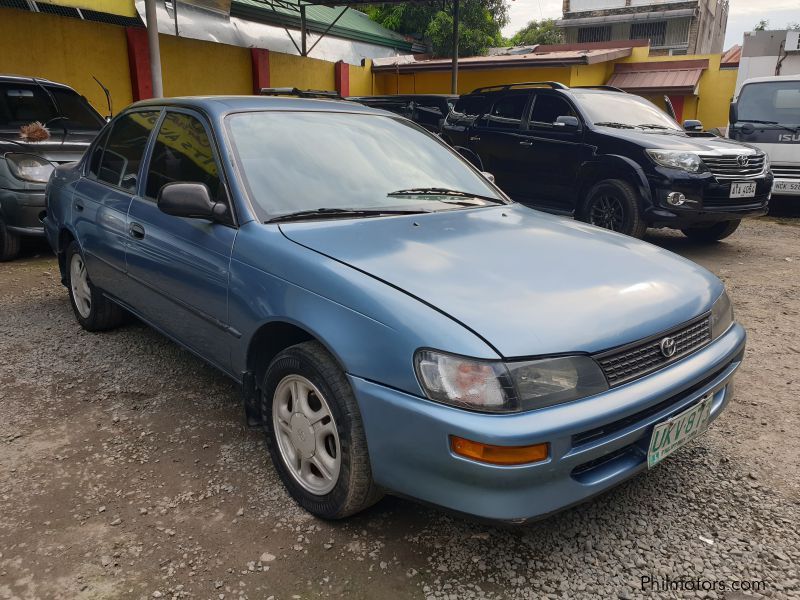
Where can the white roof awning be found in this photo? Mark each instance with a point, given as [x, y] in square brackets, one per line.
[656, 15]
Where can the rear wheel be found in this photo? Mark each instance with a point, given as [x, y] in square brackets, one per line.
[9, 244]
[93, 310]
[614, 204]
[712, 233]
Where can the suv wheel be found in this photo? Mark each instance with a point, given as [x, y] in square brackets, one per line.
[314, 433]
[9, 244]
[712, 233]
[93, 310]
[614, 204]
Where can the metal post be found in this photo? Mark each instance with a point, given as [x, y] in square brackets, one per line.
[454, 76]
[303, 43]
[155, 52]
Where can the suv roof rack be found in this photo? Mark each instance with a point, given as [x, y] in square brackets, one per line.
[610, 88]
[293, 91]
[552, 84]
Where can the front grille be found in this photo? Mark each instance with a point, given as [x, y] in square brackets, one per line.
[786, 171]
[635, 360]
[728, 167]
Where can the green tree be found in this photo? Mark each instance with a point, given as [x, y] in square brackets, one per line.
[538, 32]
[762, 25]
[480, 23]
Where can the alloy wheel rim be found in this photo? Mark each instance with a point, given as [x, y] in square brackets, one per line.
[306, 434]
[79, 283]
[608, 212]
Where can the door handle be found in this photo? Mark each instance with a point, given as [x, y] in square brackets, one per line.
[136, 231]
[526, 143]
[78, 206]
[474, 138]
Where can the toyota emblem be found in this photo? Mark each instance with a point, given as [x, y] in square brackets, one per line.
[668, 347]
[743, 160]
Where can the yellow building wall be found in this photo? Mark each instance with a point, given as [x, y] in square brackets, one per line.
[361, 79]
[194, 67]
[68, 51]
[287, 70]
[125, 8]
[438, 82]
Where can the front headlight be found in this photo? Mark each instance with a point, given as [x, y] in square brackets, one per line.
[721, 315]
[29, 167]
[677, 159]
[494, 386]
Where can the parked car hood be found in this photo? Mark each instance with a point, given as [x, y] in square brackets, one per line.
[60, 148]
[527, 282]
[679, 141]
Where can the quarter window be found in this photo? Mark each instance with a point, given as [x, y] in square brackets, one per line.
[123, 153]
[182, 152]
[507, 111]
[97, 154]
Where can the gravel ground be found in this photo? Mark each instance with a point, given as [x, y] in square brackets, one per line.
[125, 471]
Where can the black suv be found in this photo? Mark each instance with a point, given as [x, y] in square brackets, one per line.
[609, 158]
[428, 110]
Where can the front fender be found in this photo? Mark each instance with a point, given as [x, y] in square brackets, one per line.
[610, 166]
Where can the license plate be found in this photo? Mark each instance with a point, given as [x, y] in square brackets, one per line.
[743, 189]
[786, 186]
[674, 433]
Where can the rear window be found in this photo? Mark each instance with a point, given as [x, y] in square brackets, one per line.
[56, 107]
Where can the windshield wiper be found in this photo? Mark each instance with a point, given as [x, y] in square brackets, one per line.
[655, 126]
[323, 213]
[615, 124]
[760, 122]
[436, 191]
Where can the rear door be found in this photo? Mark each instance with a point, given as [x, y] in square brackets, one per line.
[180, 266]
[496, 139]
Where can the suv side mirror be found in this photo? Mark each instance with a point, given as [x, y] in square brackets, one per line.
[567, 122]
[692, 125]
[192, 200]
[733, 113]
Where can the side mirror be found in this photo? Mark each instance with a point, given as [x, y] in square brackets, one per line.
[567, 122]
[191, 200]
[488, 175]
[733, 113]
[692, 125]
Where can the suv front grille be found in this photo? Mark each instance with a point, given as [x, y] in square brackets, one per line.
[728, 167]
[786, 171]
[635, 360]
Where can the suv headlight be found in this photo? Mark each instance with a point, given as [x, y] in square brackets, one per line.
[495, 386]
[721, 315]
[29, 167]
[677, 159]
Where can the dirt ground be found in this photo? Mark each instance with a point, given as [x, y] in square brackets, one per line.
[126, 471]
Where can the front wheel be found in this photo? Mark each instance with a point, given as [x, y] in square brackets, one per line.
[314, 433]
[92, 309]
[9, 244]
[614, 204]
[712, 233]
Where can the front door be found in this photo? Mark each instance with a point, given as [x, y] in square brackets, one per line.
[180, 266]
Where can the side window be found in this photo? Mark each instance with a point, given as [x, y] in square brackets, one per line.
[182, 152]
[123, 153]
[547, 108]
[507, 111]
[97, 154]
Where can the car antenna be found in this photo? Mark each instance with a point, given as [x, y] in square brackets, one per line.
[108, 96]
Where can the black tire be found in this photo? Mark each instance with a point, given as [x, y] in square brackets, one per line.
[103, 314]
[712, 233]
[613, 204]
[9, 244]
[354, 489]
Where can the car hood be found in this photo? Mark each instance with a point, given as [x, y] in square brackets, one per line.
[60, 148]
[679, 141]
[526, 282]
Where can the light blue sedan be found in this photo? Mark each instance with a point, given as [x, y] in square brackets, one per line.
[395, 322]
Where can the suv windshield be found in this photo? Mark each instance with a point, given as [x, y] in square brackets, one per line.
[307, 161]
[623, 110]
[56, 107]
[770, 102]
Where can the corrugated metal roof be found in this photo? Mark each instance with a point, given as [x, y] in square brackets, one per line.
[679, 77]
[656, 15]
[731, 57]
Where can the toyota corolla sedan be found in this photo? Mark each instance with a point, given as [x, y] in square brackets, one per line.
[396, 323]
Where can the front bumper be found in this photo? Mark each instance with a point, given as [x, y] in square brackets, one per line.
[595, 443]
[22, 211]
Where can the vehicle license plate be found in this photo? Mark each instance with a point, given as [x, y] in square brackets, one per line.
[743, 189]
[786, 186]
[674, 433]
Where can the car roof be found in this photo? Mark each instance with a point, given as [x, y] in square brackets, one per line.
[221, 105]
[9, 78]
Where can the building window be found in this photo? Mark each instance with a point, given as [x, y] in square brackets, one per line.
[655, 32]
[594, 34]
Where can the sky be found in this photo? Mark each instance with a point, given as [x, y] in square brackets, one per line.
[744, 15]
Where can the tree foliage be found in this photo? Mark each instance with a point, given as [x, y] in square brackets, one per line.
[538, 32]
[479, 24]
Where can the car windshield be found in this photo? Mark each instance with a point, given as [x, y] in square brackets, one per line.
[56, 107]
[307, 161]
[623, 111]
[770, 102]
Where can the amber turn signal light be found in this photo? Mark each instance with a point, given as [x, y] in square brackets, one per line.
[499, 455]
